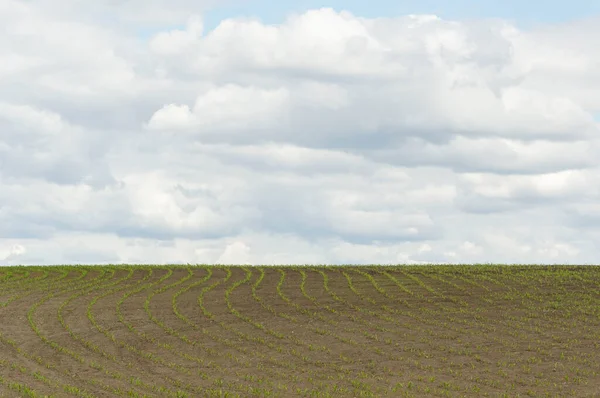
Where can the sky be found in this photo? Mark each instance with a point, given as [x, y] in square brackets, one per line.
[523, 13]
[240, 132]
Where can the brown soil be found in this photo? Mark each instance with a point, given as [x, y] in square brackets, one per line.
[300, 331]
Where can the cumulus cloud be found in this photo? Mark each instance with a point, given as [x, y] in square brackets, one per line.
[142, 137]
[228, 109]
[11, 254]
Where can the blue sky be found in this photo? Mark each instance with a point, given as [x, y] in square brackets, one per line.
[524, 13]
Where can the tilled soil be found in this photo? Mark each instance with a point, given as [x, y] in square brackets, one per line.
[175, 331]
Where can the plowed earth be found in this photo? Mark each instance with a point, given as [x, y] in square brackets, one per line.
[175, 331]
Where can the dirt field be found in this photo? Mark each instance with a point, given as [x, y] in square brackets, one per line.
[445, 331]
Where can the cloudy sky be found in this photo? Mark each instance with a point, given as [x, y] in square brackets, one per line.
[261, 132]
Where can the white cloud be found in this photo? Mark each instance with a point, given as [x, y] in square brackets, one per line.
[172, 116]
[329, 138]
[11, 254]
[235, 253]
[564, 186]
[176, 41]
[231, 108]
[469, 248]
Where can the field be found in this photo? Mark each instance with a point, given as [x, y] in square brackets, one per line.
[331, 331]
